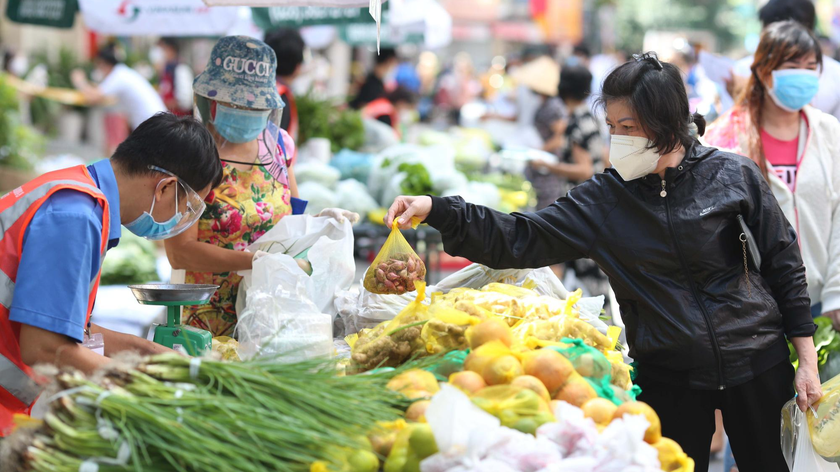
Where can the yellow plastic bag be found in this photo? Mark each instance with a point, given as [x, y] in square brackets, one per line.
[226, 347]
[554, 329]
[671, 456]
[392, 342]
[396, 269]
[516, 407]
[824, 424]
[446, 329]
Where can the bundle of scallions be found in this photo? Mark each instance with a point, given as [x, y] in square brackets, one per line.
[174, 413]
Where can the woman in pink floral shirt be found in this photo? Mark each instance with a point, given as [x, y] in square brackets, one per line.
[237, 99]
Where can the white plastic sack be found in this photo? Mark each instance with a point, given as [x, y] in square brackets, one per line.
[476, 276]
[330, 245]
[479, 193]
[318, 196]
[353, 196]
[280, 319]
[378, 136]
[317, 172]
[796, 442]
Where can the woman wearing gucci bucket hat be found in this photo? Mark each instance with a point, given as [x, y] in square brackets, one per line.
[236, 98]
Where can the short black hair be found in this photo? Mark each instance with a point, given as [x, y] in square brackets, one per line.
[289, 46]
[108, 55]
[402, 94]
[575, 83]
[802, 11]
[582, 50]
[385, 55]
[655, 92]
[178, 144]
[170, 42]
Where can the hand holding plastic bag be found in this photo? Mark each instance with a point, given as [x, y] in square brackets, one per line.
[397, 268]
[811, 440]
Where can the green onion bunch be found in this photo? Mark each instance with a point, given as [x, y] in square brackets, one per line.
[168, 414]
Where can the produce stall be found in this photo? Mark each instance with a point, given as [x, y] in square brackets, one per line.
[487, 370]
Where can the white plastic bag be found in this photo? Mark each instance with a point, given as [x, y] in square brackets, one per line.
[475, 276]
[796, 442]
[353, 196]
[317, 172]
[330, 246]
[318, 196]
[279, 318]
[574, 434]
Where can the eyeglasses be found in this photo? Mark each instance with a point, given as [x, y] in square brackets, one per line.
[649, 57]
[195, 205]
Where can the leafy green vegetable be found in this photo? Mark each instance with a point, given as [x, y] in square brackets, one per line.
[324, 119]
[826, 340]
[417, 181]
[134, 261]
[19, 144]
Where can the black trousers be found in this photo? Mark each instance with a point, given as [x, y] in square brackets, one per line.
[751, 417]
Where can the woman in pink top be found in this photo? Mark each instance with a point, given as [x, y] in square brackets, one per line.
[797, 148]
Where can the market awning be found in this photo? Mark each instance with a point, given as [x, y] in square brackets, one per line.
[297, 17]
[54, 13]
[157, 17]
[297, 13]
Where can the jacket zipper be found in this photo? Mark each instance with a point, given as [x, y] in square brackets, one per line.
[664, 194]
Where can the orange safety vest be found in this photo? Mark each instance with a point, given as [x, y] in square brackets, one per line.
[382, 107]
[18, 389]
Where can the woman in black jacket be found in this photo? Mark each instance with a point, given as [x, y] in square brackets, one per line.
[707, 304]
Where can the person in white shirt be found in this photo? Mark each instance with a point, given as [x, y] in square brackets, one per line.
[175, 76]
[803, 11]
[135, 97]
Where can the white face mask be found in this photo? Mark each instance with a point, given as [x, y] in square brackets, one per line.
[631, 156]
[97, 75]
[157, 56]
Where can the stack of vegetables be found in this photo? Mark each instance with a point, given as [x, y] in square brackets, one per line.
[518, 355]
[173, 413]
[134, 261]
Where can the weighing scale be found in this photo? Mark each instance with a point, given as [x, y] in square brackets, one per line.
[173, 334]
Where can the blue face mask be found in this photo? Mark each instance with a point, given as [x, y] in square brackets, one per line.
[240, 126]
[794, 88]
[145, 225]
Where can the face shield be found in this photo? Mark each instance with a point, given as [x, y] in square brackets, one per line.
[247, 136]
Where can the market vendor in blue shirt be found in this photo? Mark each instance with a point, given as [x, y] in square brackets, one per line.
[56, 231]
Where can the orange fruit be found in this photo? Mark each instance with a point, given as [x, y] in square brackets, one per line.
[489, 330]
[415, 384]
[417, 411]
[600, 410]
[576, 391]
[532, 383]
[479, 358]
[467, 381]
[549, 366]
[654, 431]
[502, 370]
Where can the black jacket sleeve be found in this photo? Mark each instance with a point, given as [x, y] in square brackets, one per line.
[781, 260]
[563, 231]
